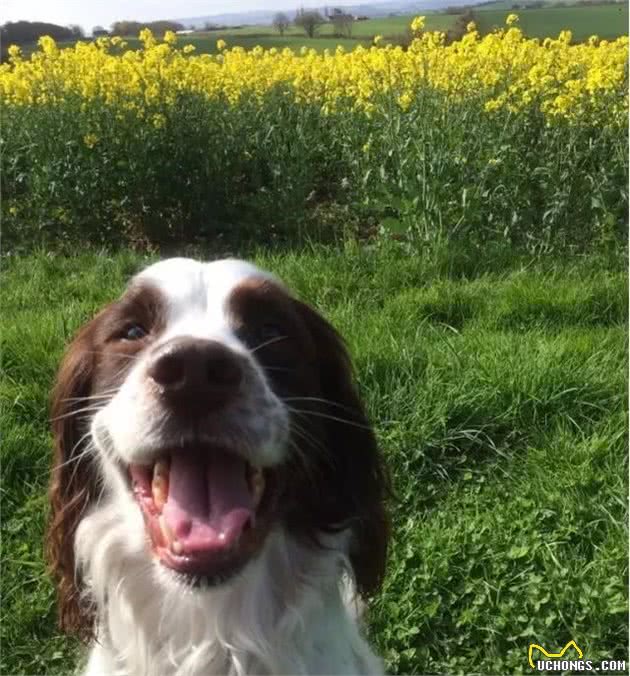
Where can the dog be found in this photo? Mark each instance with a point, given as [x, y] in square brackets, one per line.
[218, 499]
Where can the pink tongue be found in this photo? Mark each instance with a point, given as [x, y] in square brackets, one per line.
[209, 503]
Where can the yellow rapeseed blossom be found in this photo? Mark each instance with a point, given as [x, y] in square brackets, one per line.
[585, 83]
[90, 140]
[170, 38]
[417, 24]
[511, 19]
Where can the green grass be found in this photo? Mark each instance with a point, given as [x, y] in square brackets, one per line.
[206, 43]
[363, 32]
[498, 392]
[606, 21]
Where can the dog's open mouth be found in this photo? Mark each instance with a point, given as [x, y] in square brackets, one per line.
[203, 509]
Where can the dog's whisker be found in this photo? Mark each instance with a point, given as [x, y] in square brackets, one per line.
[328, 402]
[87, 409]
[318, 414]
[275, 339]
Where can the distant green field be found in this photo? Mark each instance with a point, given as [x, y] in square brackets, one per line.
[388, 26]
[207, 43]
[362, 33]
[606, 21]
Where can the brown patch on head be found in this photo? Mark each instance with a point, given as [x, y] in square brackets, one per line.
[334, 478]
[265, 318]
[95, 363]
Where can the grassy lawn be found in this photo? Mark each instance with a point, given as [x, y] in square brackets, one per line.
[498, 392]
[363, 33]
[606, 21]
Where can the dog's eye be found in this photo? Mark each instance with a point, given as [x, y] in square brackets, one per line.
[134, 332]
[263, 334]
[268, 332]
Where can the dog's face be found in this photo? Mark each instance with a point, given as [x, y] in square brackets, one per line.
[221, 407]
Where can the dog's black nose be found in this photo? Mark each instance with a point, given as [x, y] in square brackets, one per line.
[197, 372]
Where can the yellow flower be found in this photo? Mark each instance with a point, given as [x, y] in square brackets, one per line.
[565, 36]
[471, 26]
[417, 24]
[147, 39]
[14, 52]
[511, 19]
[378, 39]
[90, 140]
[47, 45]
[170, 38]
[404, 100]
[582, 83]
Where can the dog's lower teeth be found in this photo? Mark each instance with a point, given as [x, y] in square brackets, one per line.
[159, 490]
[159, 484]
[167, 533]
[161, 469]
[257, 484]
[177, 547]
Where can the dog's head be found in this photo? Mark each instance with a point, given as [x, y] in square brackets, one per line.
[221, 407]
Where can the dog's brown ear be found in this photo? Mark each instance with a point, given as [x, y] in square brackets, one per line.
[354, 482]
[73, 482]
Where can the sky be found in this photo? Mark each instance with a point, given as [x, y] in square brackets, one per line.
[89, 13]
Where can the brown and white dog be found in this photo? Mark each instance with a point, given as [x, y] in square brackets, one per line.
[217, 492]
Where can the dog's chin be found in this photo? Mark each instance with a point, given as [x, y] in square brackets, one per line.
[207, 511]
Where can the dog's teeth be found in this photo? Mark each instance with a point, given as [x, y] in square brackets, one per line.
[257, 484]
[159, 491]
[159, 485]
[161, 469]
[167, 533]
[175, 545]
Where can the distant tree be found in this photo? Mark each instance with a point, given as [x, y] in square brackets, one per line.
[460, 27]
[158, 28]
[309, 21]
[23, 32]
[126, 28]
[99, 32]
[281, 22]
[132, 28]
[342, 23]
[77, 31]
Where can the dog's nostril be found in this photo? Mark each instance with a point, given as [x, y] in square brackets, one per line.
[197, 372]
[168, 370]
[223, 371]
